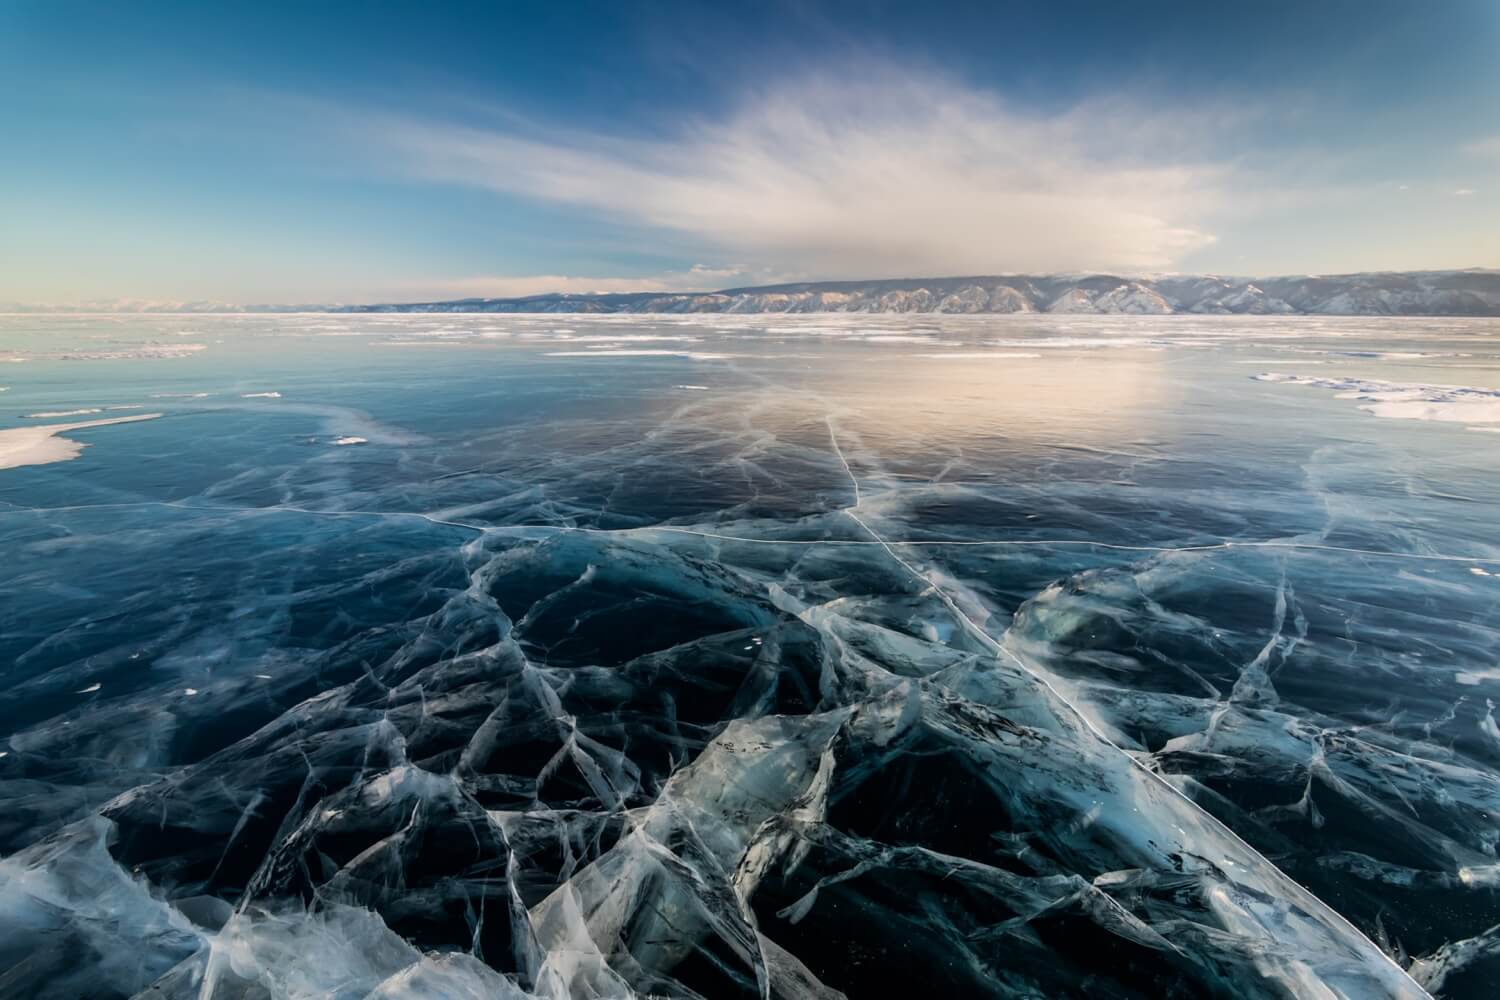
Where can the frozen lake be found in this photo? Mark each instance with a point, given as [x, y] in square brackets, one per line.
[720, 656]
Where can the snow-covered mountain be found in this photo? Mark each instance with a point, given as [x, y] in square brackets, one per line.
[1385, 293]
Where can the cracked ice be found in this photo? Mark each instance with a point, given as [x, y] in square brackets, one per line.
[801, 664]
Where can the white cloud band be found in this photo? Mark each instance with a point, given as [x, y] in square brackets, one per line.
[905, 175]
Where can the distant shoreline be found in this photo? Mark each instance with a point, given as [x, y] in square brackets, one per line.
[1473, 292]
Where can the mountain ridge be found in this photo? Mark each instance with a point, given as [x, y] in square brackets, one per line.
[1471, 292]
[1453, 292]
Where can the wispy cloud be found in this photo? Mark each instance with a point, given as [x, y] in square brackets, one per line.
[1463, 192]
[1489, 147]
[696, 279]
[854, 176]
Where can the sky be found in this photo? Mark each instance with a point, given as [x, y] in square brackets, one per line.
[337, 152]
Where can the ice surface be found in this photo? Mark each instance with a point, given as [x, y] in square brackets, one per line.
[1095, 672]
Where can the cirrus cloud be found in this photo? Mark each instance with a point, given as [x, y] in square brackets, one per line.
[851, 177]
[698, 278]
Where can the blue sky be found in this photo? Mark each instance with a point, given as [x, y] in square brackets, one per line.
[321, 152]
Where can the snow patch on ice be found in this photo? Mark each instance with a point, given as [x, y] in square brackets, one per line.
[1406, 400]
[978, 355]
[628, 353]
[43, 445]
